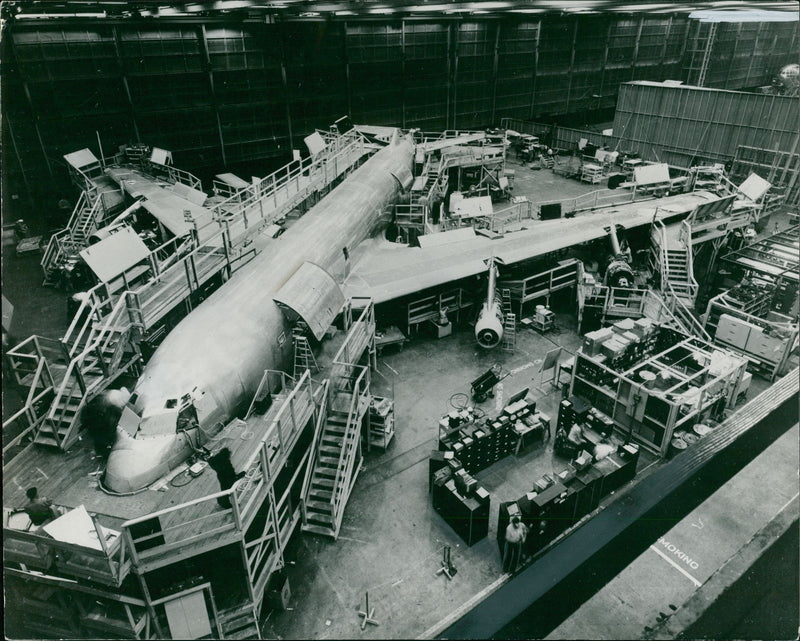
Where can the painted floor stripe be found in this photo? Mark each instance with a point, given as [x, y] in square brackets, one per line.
[676, 566]
[785, 505]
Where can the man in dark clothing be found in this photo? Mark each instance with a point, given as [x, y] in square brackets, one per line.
[38, 509]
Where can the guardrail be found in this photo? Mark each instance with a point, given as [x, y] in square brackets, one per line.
[304, 175]
[322, 416]
[108, 565]
[514, 213]
[200, 522]
[359, 400]
[350, 350]
[28, 418]
[195, 522]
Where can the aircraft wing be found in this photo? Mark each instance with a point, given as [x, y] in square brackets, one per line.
[385, 271]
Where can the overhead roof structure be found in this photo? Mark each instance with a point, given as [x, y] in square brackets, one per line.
[44, 9]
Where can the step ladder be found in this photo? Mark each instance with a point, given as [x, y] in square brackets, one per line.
[547, 161]
[506, 296]
[509, 332]
[303, 356]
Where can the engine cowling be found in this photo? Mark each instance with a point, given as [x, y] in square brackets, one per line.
[489, 328]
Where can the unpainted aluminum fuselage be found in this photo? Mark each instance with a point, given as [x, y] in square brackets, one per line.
[223, 347]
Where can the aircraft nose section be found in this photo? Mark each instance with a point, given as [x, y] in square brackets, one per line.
[133, 464]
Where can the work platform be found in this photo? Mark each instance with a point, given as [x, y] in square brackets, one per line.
[138, 305]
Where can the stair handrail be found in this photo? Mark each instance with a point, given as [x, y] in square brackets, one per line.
[316, 445]
[688, 319]
[268, 186]
[76, 362]
[91, 303]
[29, 408]
[97, 204]
[76, 211]
[687, 231]
[346, 445]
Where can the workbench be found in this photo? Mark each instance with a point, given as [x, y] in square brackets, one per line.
[390, 336]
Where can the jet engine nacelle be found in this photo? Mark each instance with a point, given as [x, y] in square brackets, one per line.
[489, 328]
[619, 274]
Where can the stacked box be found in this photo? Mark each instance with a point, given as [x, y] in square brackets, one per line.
[593, 340]
[612, 349]
[643, 327]
[624, 325]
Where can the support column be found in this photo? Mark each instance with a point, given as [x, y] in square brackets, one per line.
[19, 160]
[454, 27]
[495, 67]
[210, 73]
[733, 55]
[535, 68]
[636, 47]
[449, 73]
[666, 43]
[747, 81]
[605, 57]
[284, 83]
[347, 71]
[124, 78]
[571, 64]
[403, 72]
[34, 115]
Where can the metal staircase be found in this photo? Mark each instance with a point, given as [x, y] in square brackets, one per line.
[509, 332]
[337, 453]
[74, 237]
[239, 622]
[672, 258]
[97, 354]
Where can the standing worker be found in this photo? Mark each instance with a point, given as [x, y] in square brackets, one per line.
[516, 533]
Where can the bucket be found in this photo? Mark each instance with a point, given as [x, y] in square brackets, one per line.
[676, 446]
[701, 429]
[690, 438]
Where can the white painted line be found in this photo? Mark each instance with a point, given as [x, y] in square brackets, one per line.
[785, 505]
[42, 473]
[521, 368]
[347, 538]
[676, 566]
[498, 400]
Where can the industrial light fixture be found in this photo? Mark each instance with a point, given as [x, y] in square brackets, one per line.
[382, 10]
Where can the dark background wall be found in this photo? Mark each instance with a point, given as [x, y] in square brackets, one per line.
[239, 94]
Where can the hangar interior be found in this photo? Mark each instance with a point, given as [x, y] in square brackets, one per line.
[399, 319]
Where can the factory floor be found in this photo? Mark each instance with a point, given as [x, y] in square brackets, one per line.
[391, 540]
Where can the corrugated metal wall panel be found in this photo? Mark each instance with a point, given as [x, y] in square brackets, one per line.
[151, 81]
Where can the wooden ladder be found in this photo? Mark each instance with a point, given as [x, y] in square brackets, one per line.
[509, 332]
[303, 356]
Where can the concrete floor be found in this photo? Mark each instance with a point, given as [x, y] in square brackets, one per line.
[391, 539]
